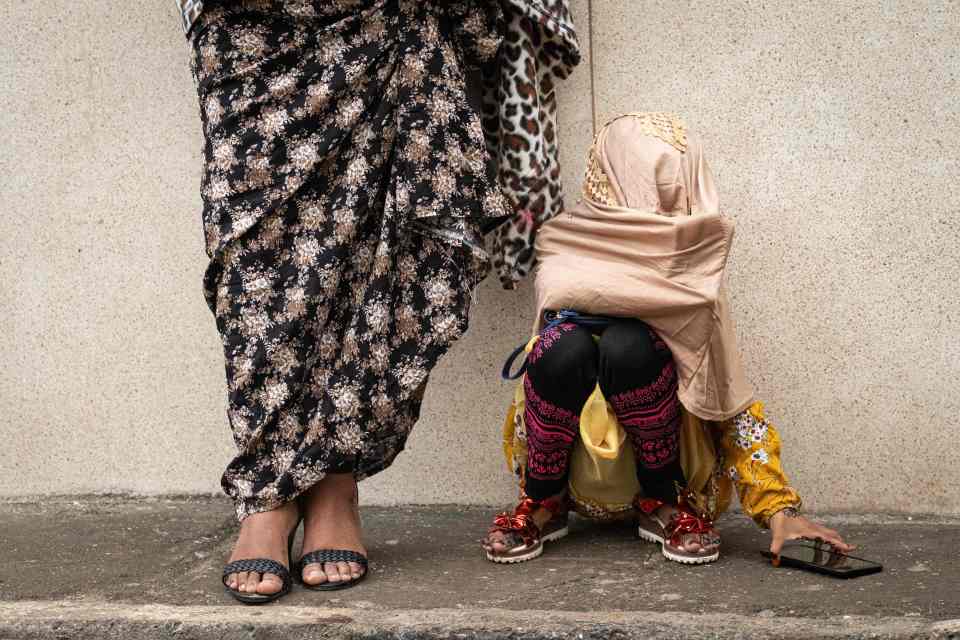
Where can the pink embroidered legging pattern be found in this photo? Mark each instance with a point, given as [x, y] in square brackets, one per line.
[636, 374]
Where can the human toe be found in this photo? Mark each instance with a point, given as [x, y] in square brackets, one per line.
[251, 583]
[692, 546]
[495, 542]
[333, 574]
[241, 581]
[313, 574]
[355, 570]
[269, 584]
[344, 570]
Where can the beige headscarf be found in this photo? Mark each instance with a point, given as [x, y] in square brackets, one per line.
[648, 241]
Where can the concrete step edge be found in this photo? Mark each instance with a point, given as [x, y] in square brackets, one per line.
[62, 619]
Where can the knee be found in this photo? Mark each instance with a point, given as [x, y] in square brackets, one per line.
[565, 352]
[629, 349]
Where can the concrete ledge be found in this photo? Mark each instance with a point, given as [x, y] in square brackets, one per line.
[48, 620]
[114, 567]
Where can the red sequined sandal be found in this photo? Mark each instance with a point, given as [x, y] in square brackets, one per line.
[524, 539]
[671, 535]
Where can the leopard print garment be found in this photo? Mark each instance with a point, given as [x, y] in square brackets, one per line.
[520, 121]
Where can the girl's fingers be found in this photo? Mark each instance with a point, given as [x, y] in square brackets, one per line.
[830, 536]
[803, 529]
[776, 544]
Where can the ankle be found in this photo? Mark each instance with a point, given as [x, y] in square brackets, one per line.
[286, 515]
[335, 486]
[666, 509]
[543, 515]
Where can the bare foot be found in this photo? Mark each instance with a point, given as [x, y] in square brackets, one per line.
[263, 535]
[500, 541]
[332, 521]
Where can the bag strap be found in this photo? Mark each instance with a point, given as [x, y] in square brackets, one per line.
[505, 373]
[552, 319]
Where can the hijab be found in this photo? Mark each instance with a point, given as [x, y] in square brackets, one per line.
[652, 164]
[647, 240]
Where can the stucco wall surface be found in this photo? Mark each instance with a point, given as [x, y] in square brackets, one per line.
[832, 128]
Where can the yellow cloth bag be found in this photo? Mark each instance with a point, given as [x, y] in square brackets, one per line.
[603, 473]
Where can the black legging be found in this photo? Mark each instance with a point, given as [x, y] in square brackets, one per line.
[638, 378]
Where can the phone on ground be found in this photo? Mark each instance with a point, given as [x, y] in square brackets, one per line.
[820, 557]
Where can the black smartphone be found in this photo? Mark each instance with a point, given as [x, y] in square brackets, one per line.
[820, 557]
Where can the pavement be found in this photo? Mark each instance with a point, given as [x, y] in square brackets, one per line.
[132, 568]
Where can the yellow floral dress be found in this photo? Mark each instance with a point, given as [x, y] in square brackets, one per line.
[751, 455]
[742, 453]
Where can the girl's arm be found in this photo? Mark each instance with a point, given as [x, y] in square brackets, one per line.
[751, 450]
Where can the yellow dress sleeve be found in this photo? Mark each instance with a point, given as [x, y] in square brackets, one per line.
[751, 449]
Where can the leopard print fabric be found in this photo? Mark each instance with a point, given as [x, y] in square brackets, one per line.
[520, 122]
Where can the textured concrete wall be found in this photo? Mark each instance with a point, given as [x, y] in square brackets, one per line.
[833, 134]
[832, 129]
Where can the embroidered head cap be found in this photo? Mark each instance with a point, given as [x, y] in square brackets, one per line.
[647, 161]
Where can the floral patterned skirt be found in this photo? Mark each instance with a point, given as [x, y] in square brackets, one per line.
[344, 187]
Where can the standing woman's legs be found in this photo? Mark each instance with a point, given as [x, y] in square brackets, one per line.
[342, 225]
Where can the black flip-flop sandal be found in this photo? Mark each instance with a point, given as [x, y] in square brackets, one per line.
[262, 565]
[322, 556]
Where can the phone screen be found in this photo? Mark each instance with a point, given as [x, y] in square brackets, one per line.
[823, 555]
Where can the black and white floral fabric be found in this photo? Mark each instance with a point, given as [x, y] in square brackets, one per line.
[539, 48]
[346, 184]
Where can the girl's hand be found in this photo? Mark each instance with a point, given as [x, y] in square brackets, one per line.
[786, 526]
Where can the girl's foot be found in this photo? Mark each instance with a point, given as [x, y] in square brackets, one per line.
[331, 520]
[520, 537]
[684, 535]
[263, 535]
